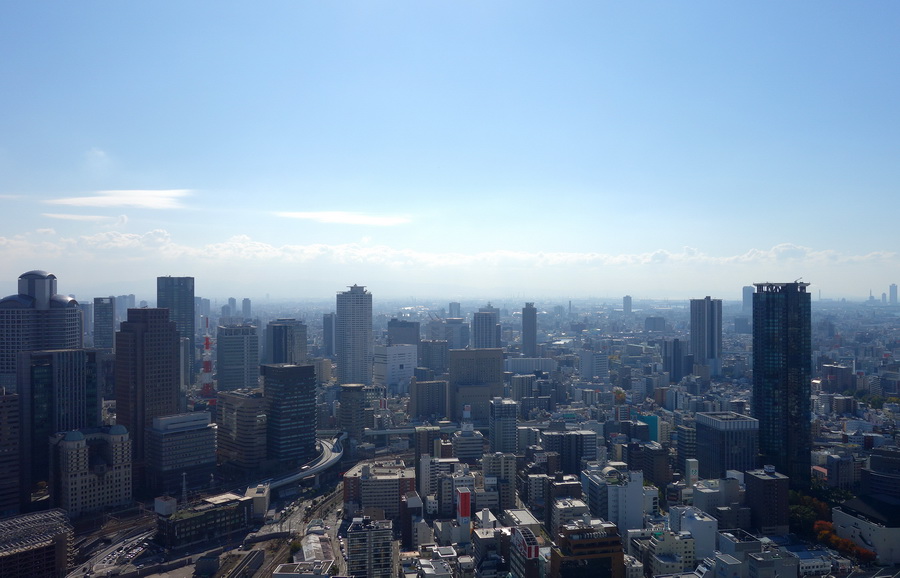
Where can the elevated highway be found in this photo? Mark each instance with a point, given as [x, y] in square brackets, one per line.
[331, 453]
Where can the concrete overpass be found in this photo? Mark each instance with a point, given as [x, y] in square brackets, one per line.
[331, 453]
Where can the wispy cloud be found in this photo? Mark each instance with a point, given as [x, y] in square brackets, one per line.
[68, 217]
[8, 197]
[347, 218]
[136, 198]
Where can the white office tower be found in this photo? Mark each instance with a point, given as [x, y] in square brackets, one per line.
[616, 496]
[486, 328]
[371, 549]
[430, 468]
[353, 336]
[394, 366]
[594, 366]
[703, 527]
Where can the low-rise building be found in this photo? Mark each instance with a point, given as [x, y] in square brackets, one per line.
[378, 485]
[209, 519]
[39, 544]
[587, 548]
[871, 523]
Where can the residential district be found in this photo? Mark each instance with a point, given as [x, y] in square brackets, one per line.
[750, 438]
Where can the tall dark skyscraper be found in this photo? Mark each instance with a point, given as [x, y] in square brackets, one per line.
[286, 342]
[36, 318]
[104, 322]
[290, 395]
[529, 330]
[59, 390]
[726, 441]
[781, 377]
[10, 460]
[148, 381]
[177, 295]
[403, 332]
[706, 333]
[353, 336]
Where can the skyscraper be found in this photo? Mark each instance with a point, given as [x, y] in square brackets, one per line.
[353, 336]
[36, 318]
[427, 399]
[781, 377]
[351, 415]
[747, 303]
[726, 441]
[502, 421]
[476, 377]
[237, 357]
[104, 322]
[59, 390]
[706, 333]
[529, 330]
[626, 304]
[241, 435]
[403, 332]
[893, 294]
[147, 375]
[177, 295]
[286, 342]
[246, 310]
[328, 324]
[290, 394]
[10, 460]
[486, 328]
[371, 549]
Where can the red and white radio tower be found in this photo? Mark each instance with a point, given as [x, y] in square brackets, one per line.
[207, 388]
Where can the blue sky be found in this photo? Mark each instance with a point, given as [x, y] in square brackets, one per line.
[451, 149]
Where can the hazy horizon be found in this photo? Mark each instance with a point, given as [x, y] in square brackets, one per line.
[662, 150]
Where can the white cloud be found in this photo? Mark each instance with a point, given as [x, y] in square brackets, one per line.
[244, 260]
[9, 197]
[347, 218]
[68, 217]
[137, 198]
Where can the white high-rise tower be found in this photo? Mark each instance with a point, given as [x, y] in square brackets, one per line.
[353, 336]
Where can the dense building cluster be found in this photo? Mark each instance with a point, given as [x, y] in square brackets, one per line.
[618, 440]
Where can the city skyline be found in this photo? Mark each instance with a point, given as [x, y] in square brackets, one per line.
[655, 150]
